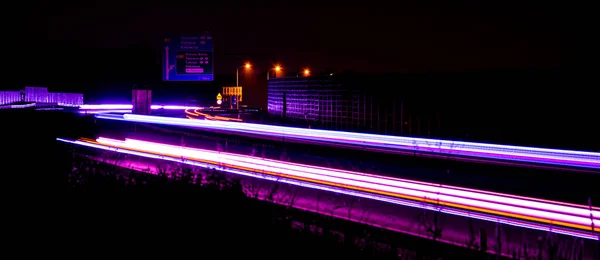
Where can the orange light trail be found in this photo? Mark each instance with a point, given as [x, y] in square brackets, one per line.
[363, 189]
[196, 113]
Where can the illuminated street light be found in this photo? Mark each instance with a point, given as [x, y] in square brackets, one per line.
[277, 68]
[246, 66]
[306, 72]
[237, 73]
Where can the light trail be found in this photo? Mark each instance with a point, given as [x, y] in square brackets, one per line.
[129, 106]
[192, 113]
[570, 216]
[105, 111]
[101, 107]
[394, 182]
[196, 113]
[569, 158]
[334, 176]
[458, 212]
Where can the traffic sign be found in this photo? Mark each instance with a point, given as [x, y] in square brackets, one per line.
[188, 58]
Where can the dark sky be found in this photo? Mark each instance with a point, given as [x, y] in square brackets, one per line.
[108, 42]
[457, 36]
[105, 47]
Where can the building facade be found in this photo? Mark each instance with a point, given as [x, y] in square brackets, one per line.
[350, 103]
[41, 95]
[322, 101]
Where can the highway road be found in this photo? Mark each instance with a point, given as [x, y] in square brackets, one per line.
[564, 218]
[548, 182]
[409, 220]
[381, 143]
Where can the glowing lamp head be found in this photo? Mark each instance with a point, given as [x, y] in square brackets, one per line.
[219, 102]
[247, 66]
[306, 72]
[277, 68]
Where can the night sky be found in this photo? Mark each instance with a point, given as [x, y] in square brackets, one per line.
[402, 38]
[110, 43]
[105, 47]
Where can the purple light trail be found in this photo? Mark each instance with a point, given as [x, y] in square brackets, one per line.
[456, 148]
[129, 107]
[519, 205]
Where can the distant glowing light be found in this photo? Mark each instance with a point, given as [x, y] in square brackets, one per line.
[247, 65]
[219, 102]
[277, 68]
[306, 72]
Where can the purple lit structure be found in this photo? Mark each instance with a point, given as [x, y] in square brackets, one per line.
[7, 97]
[41, 95]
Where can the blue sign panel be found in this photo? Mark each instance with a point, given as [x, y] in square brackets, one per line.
[188, 58]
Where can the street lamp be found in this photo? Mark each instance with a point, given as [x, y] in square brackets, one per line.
[246, 66]
[306, 72]
[237, 73]
[277, 68]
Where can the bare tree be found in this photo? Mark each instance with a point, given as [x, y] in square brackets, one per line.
[436, 228]
[364, 215]
[292, 200]
[252, 190]
[351, 204]
[273, 191]
[281, 197]
[472, 237]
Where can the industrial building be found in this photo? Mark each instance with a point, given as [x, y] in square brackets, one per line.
[346, 102]
[41, 95]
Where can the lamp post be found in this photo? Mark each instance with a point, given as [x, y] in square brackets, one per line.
[277, 69]
[237, 73]
[237, 81]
